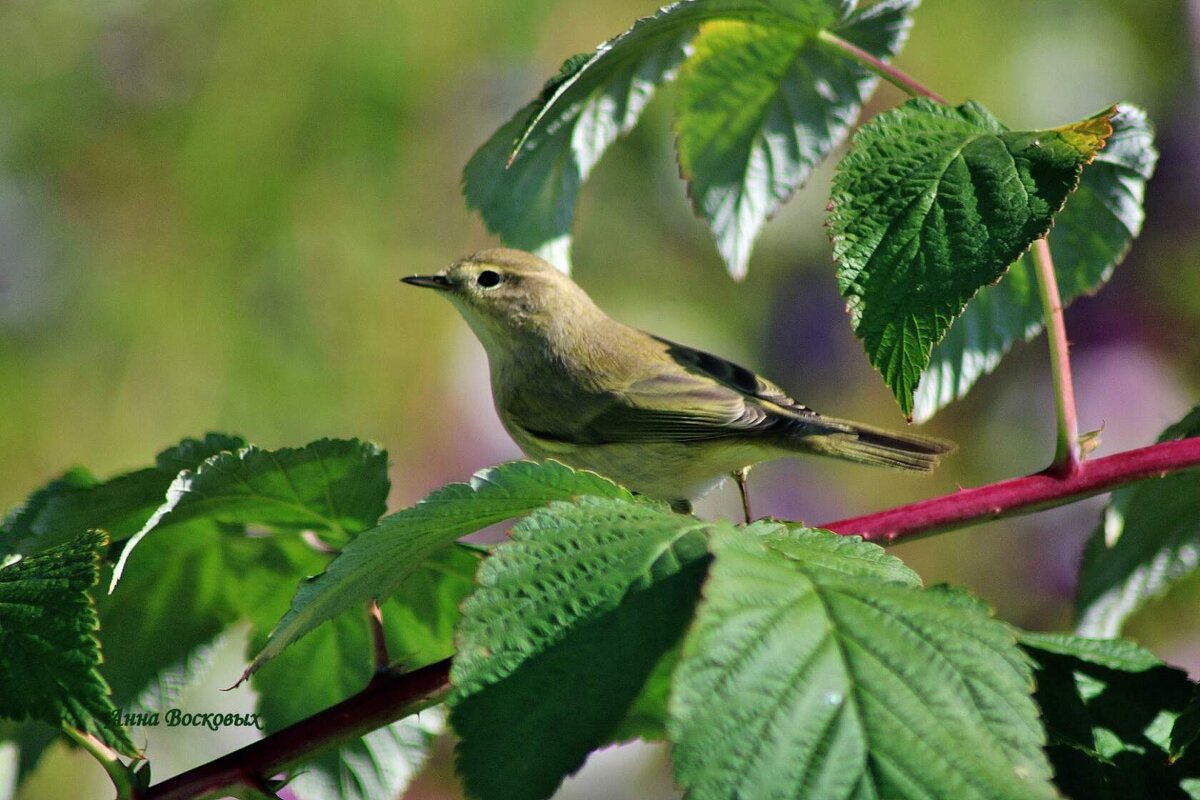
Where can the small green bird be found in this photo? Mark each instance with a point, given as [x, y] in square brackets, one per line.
[665, 420]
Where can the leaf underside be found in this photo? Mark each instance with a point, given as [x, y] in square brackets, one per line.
[762, 101]
[1148, 539]
[760, 105]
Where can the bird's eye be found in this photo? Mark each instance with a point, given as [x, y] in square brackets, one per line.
[488, 278]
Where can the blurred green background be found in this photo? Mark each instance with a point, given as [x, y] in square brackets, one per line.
[205, 206]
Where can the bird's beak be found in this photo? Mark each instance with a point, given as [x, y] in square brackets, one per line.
[429, 281]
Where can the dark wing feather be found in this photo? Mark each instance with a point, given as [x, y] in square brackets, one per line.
[695, 397]
[729, 374]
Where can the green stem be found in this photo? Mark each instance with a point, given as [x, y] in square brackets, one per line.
[120, 774]
[881, 68]
[1066, 453]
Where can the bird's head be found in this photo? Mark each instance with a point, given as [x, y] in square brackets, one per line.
[504, 293]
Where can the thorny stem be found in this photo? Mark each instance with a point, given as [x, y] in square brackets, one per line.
[1066, 453]
[1026, 495]
[391, 696]
[378, 636]
[886, 71]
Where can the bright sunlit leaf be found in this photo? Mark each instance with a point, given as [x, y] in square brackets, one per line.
[762, 101]
[760, 105]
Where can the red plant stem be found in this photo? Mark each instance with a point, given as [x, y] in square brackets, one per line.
[389, 697]
[1066, 453]
[885, 70]
[1021, 495]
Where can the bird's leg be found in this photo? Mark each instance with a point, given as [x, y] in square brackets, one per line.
[681, 506]
[740, 477]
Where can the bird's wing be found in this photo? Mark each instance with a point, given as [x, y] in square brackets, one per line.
[693, 397]
[729, 374]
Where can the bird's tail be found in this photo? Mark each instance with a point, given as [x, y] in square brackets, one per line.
[865, 444]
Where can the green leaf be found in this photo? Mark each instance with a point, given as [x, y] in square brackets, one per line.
[1109, 708]
[175, 598]
[572, 619]
[560, 566]
[48, 649]
[177, 603]
[646, 718]
[1118, 654]
[525, 179]
[1148, 539]
[378, 766]
[762, 104]
[189, 582]
[377, 562]
[201, 575]
[336, 487]
[77, 501]
[335, 663]
[933, 203]
[838, 677]
[527, 195]
[648, 715]
[1186, 730]
[1091, 236]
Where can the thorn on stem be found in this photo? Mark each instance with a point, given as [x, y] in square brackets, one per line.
[378, 636]
[740, 478]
